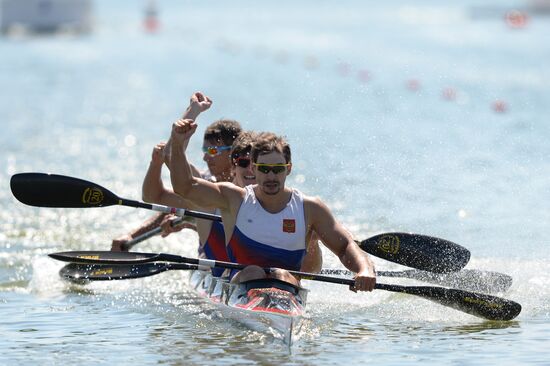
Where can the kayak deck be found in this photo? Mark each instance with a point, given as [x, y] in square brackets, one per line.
[264, 305]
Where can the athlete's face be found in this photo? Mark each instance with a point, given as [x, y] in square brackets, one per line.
[242, 170]
[271, 171]
[218, 160]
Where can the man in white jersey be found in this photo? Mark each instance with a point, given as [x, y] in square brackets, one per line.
[267, 224]
[227, 153]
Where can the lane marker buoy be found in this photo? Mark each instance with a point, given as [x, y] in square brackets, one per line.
[516, 19]
[500, 106]
[448, 94]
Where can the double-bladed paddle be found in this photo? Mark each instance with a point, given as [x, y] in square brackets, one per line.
[413, 250]
[465, 279]
[103, 265]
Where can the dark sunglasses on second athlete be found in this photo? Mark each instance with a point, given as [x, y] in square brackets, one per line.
[242, 162]
[275, 168]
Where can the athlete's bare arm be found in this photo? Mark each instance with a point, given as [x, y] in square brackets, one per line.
[225, 196]
[341, 243]
[153, 189]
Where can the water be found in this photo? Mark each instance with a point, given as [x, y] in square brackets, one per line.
[333, 78]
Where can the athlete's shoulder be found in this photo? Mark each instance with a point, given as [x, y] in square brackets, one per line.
[307, 198]
[314, 204]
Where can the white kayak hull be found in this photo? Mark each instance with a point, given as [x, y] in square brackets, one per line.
[268, 306]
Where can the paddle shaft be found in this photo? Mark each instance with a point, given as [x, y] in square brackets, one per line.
[138, 239]
[465, 279]
[169, 210]
[474, 280]
[149, 234]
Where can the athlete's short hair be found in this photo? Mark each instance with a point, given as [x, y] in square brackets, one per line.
[223, 130]
[267, 142]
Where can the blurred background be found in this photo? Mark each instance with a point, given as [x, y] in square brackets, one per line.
[420, 116]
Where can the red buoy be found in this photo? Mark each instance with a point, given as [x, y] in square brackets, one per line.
[413, 84]
[500, 106]
[448, 94]
[516, 19]
[151, 22]
[363, 75]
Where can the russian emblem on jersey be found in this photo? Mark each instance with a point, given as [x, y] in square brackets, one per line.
[92, 196]
[289, 225]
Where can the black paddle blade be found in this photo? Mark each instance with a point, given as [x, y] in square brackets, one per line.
[84, 273]
[481, 305]
[423, 252]
[51, 190]
[105, 257]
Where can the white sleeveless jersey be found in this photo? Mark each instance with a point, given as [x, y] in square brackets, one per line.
[269, 239]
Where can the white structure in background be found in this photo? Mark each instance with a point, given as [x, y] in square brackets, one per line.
[45, 16]
[541, 7]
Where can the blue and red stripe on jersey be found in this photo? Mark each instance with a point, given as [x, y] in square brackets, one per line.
[243, 250]
[214, 247]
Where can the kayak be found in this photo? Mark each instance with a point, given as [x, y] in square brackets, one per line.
[265, 305]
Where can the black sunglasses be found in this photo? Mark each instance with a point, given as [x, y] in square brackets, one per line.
[242, 162]
[275, 168]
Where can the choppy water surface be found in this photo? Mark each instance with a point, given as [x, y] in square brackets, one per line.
[390, 110]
